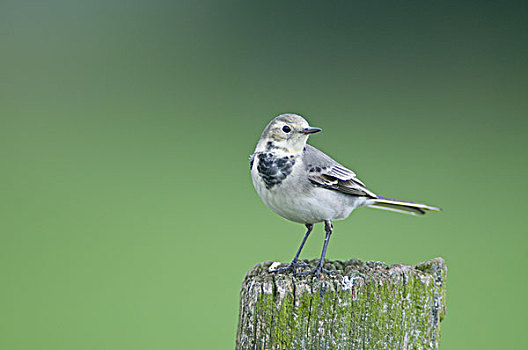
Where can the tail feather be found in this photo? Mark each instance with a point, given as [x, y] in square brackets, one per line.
[402, 206]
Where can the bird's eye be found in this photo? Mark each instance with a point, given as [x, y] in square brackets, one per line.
[286, 129]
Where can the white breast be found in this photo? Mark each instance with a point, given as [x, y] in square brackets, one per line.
[296, 199]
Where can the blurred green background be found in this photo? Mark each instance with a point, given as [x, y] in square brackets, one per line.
[128, 218]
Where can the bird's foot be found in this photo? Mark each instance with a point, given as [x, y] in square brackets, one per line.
[291, 266]
[317, 271]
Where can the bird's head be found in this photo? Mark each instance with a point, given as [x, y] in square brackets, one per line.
[287, 132]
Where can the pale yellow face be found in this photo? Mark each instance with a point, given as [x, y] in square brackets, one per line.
[288, 132]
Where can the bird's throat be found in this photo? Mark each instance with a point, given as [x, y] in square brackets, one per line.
[274, 169]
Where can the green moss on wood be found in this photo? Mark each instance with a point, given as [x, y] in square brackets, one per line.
[365, 305]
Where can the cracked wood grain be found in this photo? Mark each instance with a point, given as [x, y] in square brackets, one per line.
[365, 305]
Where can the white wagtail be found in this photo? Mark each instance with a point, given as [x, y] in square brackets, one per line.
[304, 185]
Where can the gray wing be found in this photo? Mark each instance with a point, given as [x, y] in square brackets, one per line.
[325, 172]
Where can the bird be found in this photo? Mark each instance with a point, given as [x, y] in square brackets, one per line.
[304, 185]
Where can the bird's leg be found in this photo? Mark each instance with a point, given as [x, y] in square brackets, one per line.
[294, 264]
[328, 229]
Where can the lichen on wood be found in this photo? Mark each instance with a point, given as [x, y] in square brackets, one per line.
[364, 305]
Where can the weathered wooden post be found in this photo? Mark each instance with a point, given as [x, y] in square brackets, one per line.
[365, 305]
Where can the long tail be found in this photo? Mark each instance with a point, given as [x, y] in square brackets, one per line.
[401, 206]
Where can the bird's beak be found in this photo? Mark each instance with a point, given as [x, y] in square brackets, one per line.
[310, 130]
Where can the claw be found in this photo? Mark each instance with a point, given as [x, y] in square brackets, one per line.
[317, 271]
[291, 266]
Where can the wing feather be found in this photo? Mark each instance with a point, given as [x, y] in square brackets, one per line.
[325, 172]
